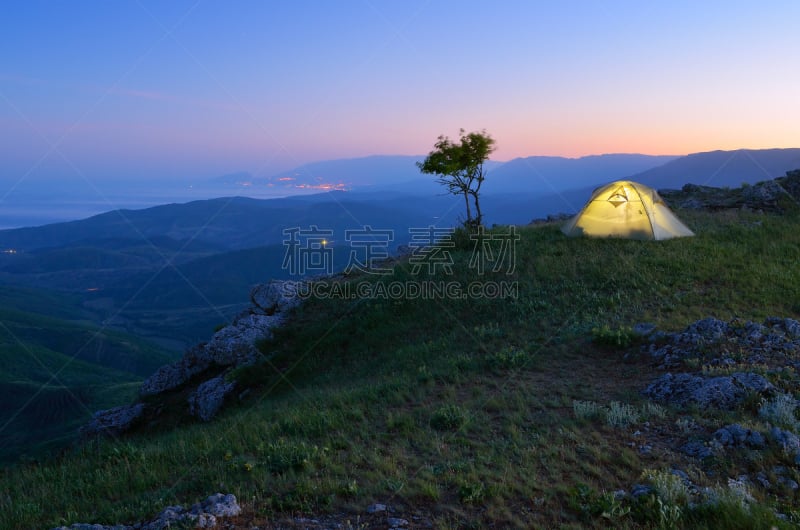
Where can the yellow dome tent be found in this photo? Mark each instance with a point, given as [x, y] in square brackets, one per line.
[629, 210]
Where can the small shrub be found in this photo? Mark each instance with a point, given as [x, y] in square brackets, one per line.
[669, 487]
[781, 411]
[471, 492]
[588, 410]
[448, 418]
[489, 330]
[506, 359]
[621, 414]
[736, 495]
[608, 337]
[686, 425]
[590, 503]
[282, 455]
[653, 410]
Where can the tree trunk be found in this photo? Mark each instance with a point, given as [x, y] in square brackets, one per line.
[469, 212]
[478, 214]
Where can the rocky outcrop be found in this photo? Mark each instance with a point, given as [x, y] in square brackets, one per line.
[274, 297]
[169, 376]
[209, 397]
[233, 345]
[201, 515]
[113, 422]
[722, 392]
[716, 343]
[776, 195]
[735, 435]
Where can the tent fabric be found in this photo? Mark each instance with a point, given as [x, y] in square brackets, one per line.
[629, 210]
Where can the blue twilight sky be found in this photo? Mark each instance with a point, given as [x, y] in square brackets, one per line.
[194, 89]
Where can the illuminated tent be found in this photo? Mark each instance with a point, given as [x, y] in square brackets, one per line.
[629, 210]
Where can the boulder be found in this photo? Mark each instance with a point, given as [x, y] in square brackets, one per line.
[277, 296]
[194, 361]
[234, 345]
[735, 435]
[789, 441]
[205, 402]
[201, 515]
[696, 449]
[722, 392]
[113, 422]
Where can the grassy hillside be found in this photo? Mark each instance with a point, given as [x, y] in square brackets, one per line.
[462, 411]
[54, 373]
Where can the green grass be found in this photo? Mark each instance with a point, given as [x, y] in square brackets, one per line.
[462, 409]
[54, 373]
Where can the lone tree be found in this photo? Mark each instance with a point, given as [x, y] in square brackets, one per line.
[459, 167]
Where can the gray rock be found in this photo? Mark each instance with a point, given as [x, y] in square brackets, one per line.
[786, 439]
[696, 449]
[640, 490]
[277, 296]
[762, 479]
[201, 515]
[396, 522]
[735, 435]
[169, 376]
[788, 326]
[205, 402]
[722, 392]
[374, 508]
[713, 340]
[761, 196]
[112, 422]
[709, 329]
[219, 505]
[234, 345]
[788, 483]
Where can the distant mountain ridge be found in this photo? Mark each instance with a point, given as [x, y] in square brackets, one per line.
[547, 174]
[722, 168]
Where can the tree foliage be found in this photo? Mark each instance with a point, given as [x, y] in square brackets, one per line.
[459, 166]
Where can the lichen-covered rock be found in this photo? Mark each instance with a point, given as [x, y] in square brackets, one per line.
[707, 329]
[722, 392]
[201, 515]
[775, 342]
[219, 505]
[277, 296]
[234, 345]
[787, 440]
[169, 376]
[112, 422]
[735, 435]
[766, 196]
[205, 402]
[697, 449]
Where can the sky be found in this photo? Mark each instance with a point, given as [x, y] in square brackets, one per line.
[196, 89]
